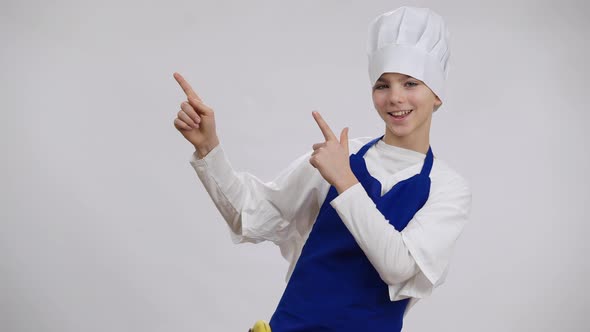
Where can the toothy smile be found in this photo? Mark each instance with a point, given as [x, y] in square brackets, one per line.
[399, 114]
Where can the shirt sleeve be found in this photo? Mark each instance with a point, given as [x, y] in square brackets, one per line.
[414, 261]
[256, 211]
[379, 240]
[431, 236]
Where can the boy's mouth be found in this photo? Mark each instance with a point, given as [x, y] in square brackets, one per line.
[400, 114]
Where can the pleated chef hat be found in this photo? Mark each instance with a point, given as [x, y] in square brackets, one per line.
[412, 41]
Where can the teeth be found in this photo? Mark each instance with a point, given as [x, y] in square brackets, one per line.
[400, 113]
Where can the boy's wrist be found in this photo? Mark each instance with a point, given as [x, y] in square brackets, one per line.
[346, 182]
[204, 149]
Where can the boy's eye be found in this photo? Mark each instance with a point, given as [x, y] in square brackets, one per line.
[384, 86]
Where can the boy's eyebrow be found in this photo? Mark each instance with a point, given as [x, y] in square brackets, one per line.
[381, 79]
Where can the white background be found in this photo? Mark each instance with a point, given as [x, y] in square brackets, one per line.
[105, 226]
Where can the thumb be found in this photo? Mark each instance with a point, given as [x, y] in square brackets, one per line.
[344, 138]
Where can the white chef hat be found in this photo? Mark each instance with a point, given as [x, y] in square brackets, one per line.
[412, 41]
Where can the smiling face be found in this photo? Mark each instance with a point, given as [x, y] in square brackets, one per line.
[406, 105]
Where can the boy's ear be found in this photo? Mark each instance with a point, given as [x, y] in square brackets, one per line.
[437, 103]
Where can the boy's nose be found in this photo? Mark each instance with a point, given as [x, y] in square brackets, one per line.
[396, 96]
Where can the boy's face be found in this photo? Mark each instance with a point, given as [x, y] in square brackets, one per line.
[394, 92]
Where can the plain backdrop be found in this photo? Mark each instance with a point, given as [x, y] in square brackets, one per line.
[104, 225]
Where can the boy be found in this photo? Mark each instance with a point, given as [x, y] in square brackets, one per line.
[367, 234]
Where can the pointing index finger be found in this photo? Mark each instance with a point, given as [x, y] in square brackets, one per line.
[188, 90]
[328, 134]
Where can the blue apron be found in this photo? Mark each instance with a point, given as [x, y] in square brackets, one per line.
[333, 286]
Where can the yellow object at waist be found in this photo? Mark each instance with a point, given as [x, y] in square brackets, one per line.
[260, 326]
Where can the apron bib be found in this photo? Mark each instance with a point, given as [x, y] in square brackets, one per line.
[333, 286]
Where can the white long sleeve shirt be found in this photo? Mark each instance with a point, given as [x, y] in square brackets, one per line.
[411, 262]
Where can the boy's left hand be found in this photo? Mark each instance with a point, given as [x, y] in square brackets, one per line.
[331, 157]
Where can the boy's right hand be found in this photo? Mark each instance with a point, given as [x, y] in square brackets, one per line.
[195, 120]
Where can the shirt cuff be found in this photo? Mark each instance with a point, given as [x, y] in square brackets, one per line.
[195, 160]
[353, 191]
[216, 165]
